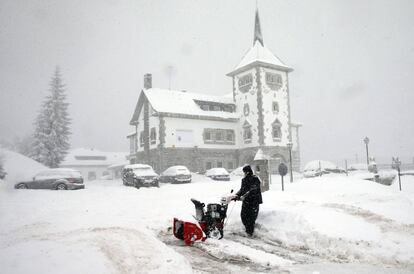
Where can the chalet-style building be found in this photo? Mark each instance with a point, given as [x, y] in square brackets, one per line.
[203, 131]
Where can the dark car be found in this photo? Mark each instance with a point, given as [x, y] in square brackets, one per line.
[139, 175]
[55, 178]
[218, 174]
[176, 175]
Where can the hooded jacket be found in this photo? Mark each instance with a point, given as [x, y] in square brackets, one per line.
[250, 189]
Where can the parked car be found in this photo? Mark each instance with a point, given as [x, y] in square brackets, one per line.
[368, 172]
[320, 167]
[218, 173]
[176, 174]
[139, 175]
[55, 178]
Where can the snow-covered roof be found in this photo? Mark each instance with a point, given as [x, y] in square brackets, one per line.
[92, 157]
[131, 134]
[137, 166]
[180, 102]
[260, 155]
[259, 54]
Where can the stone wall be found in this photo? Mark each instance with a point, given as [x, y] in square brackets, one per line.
[196, 159]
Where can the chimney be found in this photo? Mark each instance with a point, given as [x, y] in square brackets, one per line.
[147, 81]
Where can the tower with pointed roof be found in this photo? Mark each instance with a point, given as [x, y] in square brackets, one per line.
[261, 93]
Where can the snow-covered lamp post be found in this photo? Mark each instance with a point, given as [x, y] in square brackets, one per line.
[290, 145]
[366, 141]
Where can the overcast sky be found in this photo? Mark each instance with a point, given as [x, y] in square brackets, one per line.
[353, 64]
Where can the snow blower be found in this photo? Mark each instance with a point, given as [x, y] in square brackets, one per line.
[209, 223]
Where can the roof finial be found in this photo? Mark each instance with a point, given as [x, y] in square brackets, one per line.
[257, 31]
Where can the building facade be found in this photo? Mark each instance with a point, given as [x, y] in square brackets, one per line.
[202, 131]
[94, 164]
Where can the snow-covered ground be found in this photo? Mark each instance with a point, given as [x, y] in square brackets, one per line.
[332, 224]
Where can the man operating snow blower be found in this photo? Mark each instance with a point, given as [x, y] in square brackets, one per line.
[251, 196]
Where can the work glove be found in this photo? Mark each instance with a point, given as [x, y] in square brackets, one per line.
[235, 198]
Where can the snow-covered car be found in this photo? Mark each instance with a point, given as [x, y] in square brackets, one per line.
[176, 174]
[55, 178]
[218, 174]
[364, 172]
[319, 167]
[238, 171]
[139, 175]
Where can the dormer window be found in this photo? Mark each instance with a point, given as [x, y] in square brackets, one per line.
[274, 80]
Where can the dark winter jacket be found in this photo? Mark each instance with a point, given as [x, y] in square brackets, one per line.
[250, 189]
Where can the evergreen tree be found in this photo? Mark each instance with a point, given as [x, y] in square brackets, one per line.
[2, 171]
[51, 136]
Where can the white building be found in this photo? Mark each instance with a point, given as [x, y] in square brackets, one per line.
[202, 131]
[93, 164]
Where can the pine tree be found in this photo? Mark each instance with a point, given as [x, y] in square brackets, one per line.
[51, 136]
[2, 171]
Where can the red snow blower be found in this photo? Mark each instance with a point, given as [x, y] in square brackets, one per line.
[209, 223]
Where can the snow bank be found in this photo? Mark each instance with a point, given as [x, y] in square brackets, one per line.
[319, 164]
[19, 167]
[108, 227]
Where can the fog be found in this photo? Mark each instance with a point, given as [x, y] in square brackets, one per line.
[353, 65]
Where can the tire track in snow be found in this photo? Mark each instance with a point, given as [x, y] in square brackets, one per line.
[204, 259]
[386, 224]
[297, 255]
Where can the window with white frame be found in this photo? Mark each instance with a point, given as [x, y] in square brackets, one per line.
[218, 136]
[207, 136]
[247, 132]
[132, 144]
[277, 130]
[230, 135]
[275, 107]
[274, 80]
[153, 135]
[141, 139]
[245, 82]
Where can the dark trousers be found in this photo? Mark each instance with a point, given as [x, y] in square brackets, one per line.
[248, 215]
